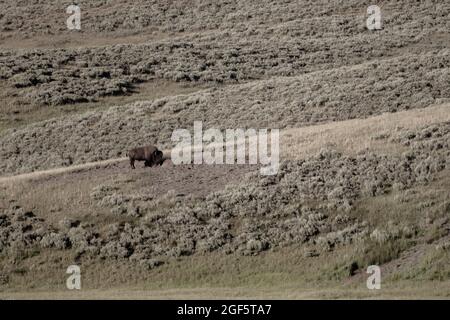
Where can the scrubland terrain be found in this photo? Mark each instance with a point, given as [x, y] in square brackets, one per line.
[365, 149]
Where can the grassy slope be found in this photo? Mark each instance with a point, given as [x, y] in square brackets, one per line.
[413, 268]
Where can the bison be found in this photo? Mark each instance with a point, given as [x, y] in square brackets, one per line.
[149, 154]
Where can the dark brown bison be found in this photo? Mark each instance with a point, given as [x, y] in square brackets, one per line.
[149, 154]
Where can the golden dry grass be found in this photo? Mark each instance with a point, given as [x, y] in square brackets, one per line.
[353, 136]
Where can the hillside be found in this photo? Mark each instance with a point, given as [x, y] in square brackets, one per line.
[364, 177]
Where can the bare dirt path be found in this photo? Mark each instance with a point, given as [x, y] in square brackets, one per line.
[346, 136]
[57, 171]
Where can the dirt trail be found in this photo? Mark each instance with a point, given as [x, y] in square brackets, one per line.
[57, 171]
[346, 136]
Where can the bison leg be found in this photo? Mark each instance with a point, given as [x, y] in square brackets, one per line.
[132, 164]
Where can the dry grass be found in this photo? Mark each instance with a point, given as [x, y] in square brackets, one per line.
[291, 41]
[286, 274]
[80, 40]
[370, 96]
[58, 171]
[348, 137]
[398, 292]
[16, 113]
[353, 136]
[277, 273]
[309, 99]
[280, 266]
